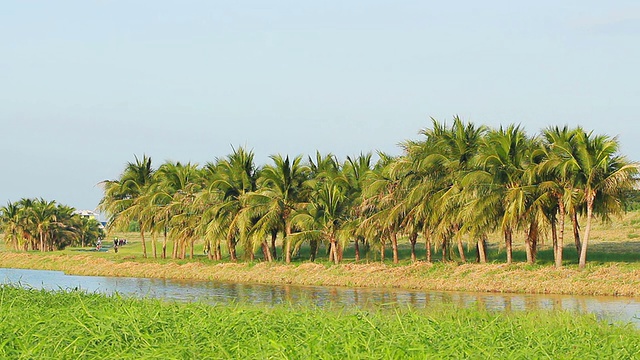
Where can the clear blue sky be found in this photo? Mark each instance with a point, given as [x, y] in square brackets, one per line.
[85, 85]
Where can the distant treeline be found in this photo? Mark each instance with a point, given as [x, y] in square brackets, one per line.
[456, 184]
[38, 224]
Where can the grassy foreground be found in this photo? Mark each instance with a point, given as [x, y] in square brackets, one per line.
[63, 324]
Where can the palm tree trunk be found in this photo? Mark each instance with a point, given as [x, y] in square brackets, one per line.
[482, 249]
[532, 242]
[463, 258]
[394, 246]
[274, 250]
[576, 231]
[191, 243]
[413, 237]
[561, 216]
[266, 251]
[154, 243]
[587, 231]
[313, 249]
[334, 251]
[527, 247]
[554, 238]
[232, 249]
[288, 243]
[174, 252]
[208, 249]
[144, 244]
[427, 245]
[164, 244]
[456, 230]
[356, 247]
[508, 242]
[381, 250]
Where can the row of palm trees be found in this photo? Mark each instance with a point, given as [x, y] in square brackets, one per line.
[38, 224]
[457, 184]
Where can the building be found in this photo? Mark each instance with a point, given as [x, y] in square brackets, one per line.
[90, 214]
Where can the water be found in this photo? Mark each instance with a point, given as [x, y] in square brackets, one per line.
[609, 308]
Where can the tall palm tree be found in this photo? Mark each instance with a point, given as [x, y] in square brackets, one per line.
[356, 170]
[43, 215]
[499, 181]
[63, 230]
[601, 171]
[449, 154]
[121, 194]
[172, 191]
[231, 179]
[88, 230]
[382, 195]
[11, 221]
[324, 216]
[560, 170]
[425, 178]
[279, 195]
[322, 168]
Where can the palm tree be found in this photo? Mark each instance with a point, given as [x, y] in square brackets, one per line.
[279, 195]
[121, 194]
[382, 195]
[88, 230]
[356, 170]
[321, 169]
[231, 179]
[443, 164]
[63, 230]
[559, 170]
[601, 171]
[424, 180]
[324, 216]
[42, 216]
[499, 181]
[171, 194]
[12, 222]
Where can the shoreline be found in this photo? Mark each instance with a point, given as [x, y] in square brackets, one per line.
[597, 280]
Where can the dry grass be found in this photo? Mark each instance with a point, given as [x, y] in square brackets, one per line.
[610, 279]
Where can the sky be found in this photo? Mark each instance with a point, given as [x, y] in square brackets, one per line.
[85, 86]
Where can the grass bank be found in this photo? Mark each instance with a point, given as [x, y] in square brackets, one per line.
[58, 325]
[617, 279]
[613, 266]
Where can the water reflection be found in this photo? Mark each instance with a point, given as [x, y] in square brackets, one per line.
[610, 308]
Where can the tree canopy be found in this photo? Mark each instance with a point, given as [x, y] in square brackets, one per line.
[458, 183]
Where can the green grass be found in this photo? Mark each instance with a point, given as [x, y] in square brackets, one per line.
[76, 325]
[613, 241]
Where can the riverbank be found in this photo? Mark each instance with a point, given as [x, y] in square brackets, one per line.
[611, 279]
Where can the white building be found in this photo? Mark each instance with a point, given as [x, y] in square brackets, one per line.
[90, 214]
[87, 213]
